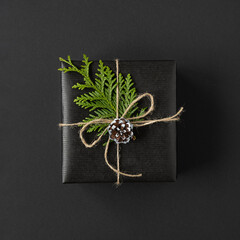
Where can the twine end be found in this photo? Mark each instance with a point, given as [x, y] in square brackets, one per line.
[117, 184]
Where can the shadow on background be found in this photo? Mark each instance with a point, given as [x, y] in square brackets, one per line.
[199, 131]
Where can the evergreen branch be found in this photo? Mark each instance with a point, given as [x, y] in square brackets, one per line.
[101, 99]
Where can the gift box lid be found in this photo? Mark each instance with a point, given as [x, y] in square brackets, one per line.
[153, 153]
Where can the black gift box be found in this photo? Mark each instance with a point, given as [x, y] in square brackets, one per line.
[153, 153]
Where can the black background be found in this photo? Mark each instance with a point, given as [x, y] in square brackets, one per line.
[202, 36]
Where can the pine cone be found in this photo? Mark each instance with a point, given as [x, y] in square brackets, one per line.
[120, 130]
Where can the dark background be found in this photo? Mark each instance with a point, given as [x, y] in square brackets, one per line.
[202, 36]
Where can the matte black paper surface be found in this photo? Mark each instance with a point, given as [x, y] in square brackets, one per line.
[153, 153]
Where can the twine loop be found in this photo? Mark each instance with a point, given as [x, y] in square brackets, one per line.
[139, 123]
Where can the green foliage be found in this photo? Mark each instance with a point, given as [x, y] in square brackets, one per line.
[101, 99]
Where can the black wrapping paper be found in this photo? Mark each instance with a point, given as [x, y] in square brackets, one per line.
[153, 153]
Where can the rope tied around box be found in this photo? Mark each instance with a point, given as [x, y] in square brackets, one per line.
[139, 123]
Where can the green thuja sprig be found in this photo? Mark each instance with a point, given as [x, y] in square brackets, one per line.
[101, 98]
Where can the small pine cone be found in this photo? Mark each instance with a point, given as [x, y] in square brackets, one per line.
[120, 130]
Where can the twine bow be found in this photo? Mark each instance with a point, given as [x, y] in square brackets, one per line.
[139, 123]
